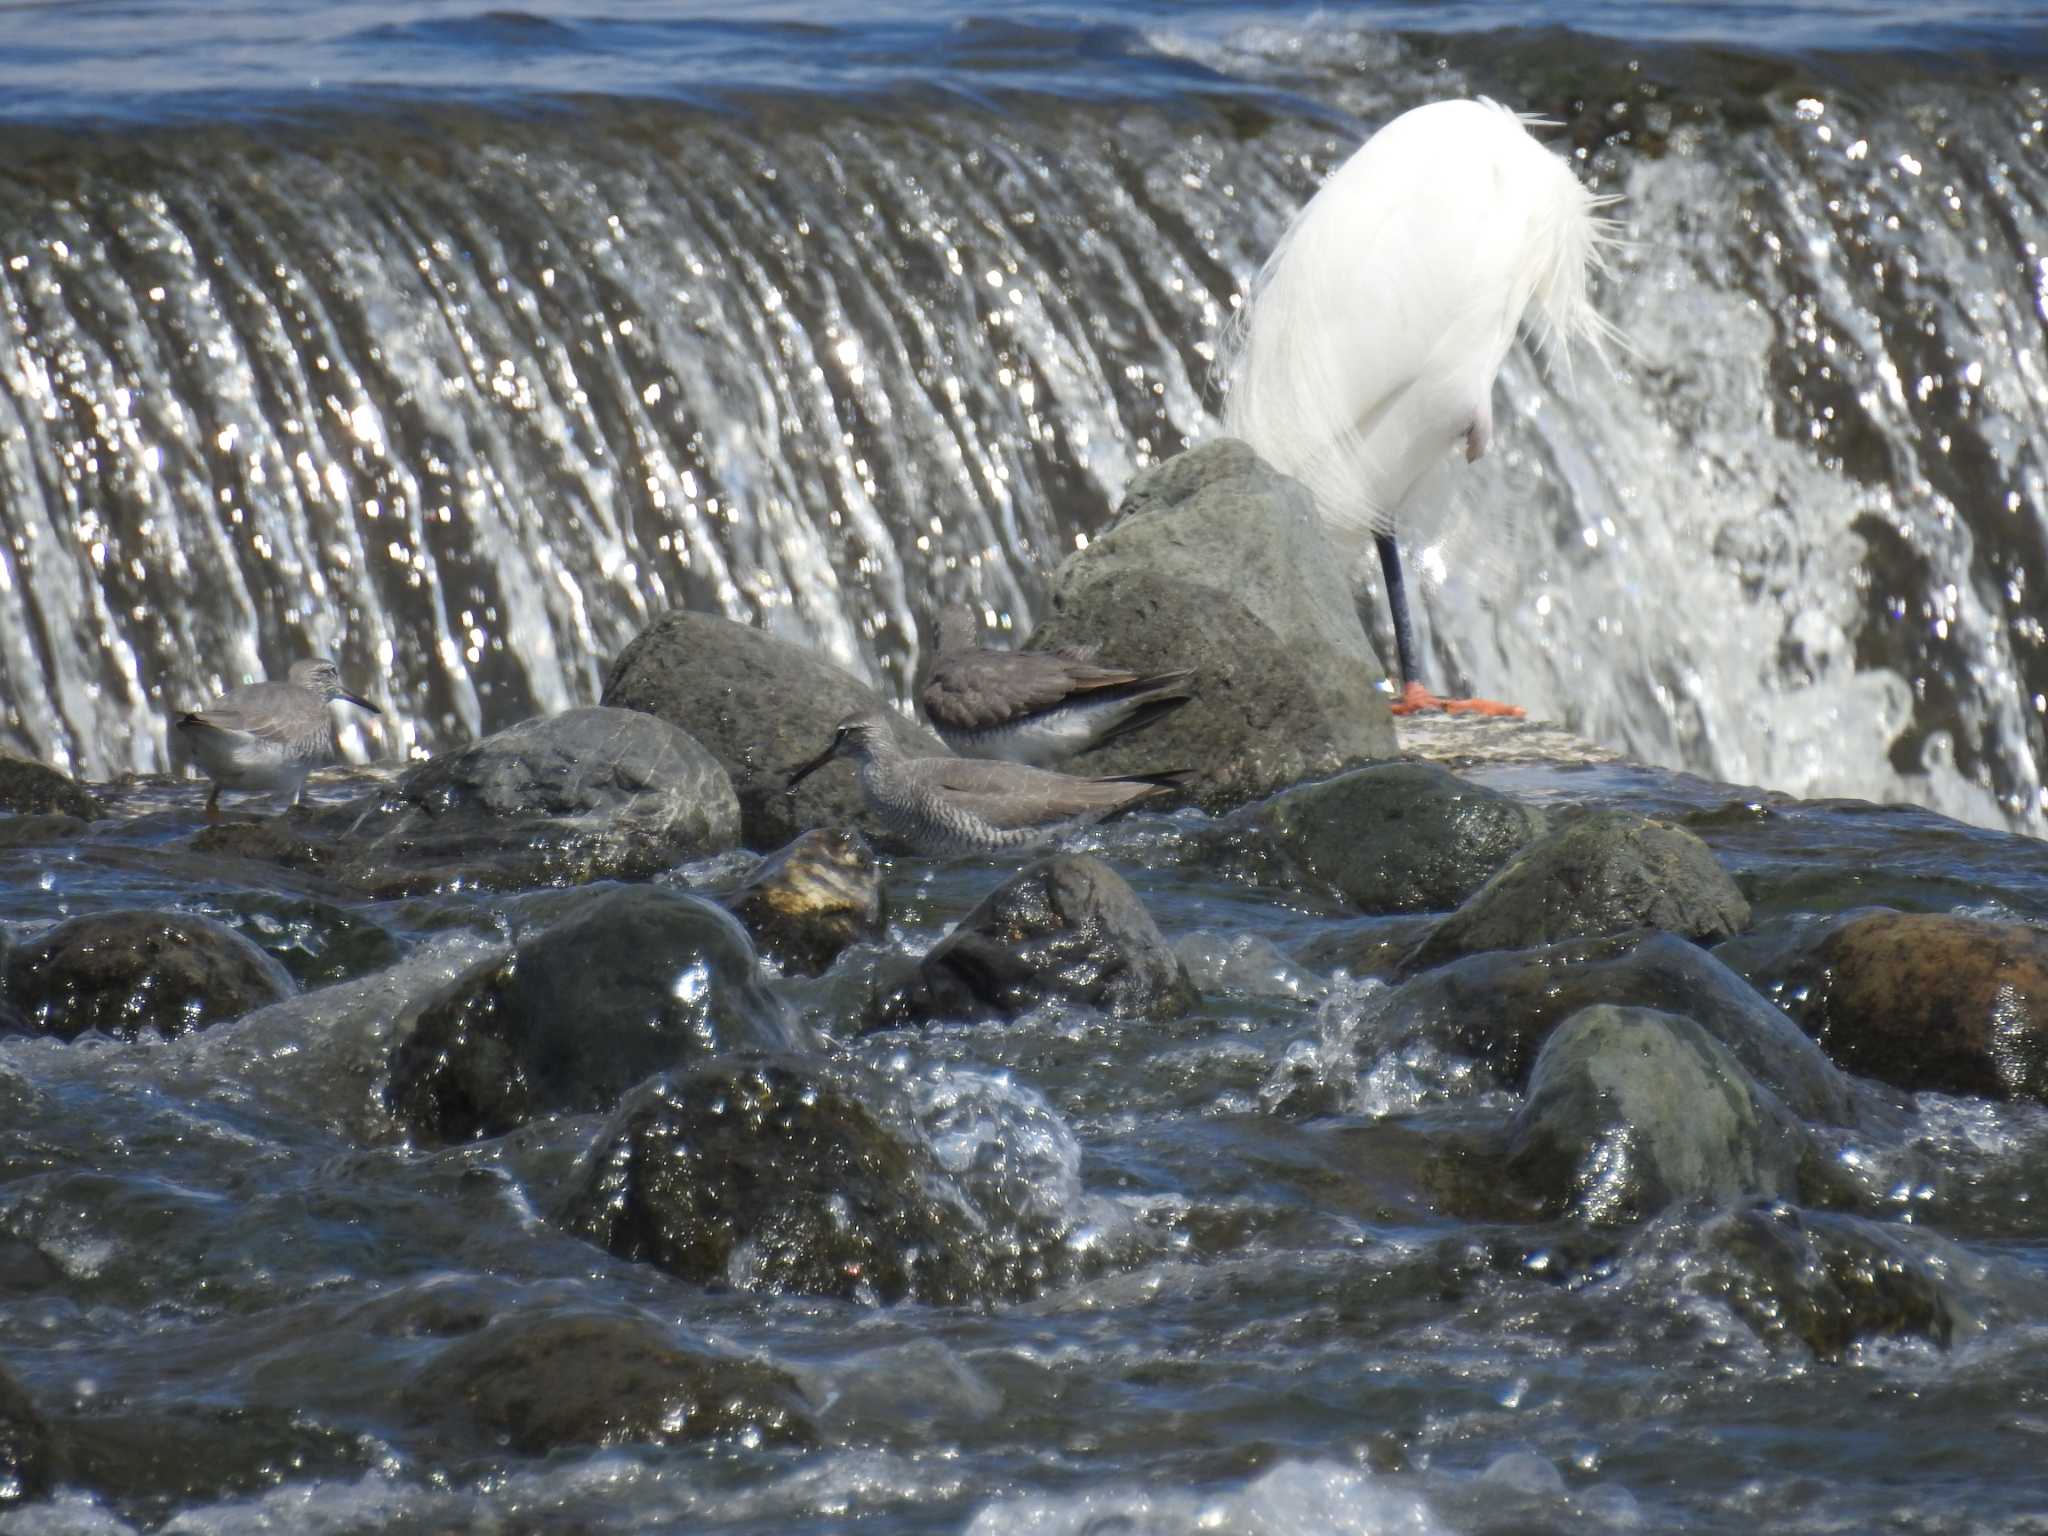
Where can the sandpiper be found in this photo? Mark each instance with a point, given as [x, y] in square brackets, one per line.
[268, 735]
[969, 805]
[1036, 707]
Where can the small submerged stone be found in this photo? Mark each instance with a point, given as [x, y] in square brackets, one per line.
[1607, 873]
[26, 1469]
[1500, 1007]
[1400, 837]
[1373, 946]
[1954, 1004]
[774, 1175]
[162, 1459]
[125, 971]
[637, 980]
[808, 901]
[1631, 1110]
[541, 1383]
[34, 830]
[1067, 929]
[267, 840]
[1825, 1280]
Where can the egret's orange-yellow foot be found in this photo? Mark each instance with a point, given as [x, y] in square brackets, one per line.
[1416, 699]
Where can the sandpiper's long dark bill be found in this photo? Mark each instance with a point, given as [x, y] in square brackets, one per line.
[974, 805]
[268, 736]
[1037, 707]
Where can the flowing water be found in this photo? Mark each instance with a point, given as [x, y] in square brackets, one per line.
[457, 343]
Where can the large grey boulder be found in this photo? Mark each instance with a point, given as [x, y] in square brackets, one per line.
[1399, 837]
[1067, 929]
[1630, 1110]
[762, 706]
[635, 980]
[588, 794]
[1218, 563]
[1604, 874]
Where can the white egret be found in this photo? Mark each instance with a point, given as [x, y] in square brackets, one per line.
[1369, 344]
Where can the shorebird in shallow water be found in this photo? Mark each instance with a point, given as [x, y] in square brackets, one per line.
[1037, 707]
[973, 805]
[268, 735]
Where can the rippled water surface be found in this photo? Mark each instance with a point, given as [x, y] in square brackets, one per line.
[1281, 1309]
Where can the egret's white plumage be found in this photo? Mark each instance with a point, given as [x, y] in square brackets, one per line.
[1369, 345]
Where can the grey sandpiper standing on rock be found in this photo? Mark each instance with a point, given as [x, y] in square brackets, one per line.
[970, 805]
[268, 735]
[1036, 707]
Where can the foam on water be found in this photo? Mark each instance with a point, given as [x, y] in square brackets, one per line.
[1294, 1499]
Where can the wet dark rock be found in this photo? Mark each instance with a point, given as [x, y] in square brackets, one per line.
[124, 972]
[25, 1454]
[1953, 1004]
[592, 794]
[1631, 1110]
[772, 1175]
[1067, 929]
[40, 831]
[638, 980]
[1218, 563]
[1500, 1007]
[1399, 837]
[437, 1308]
[316, 941]
[25, 1269]
[1374, 947]
[535, 1384]
[1605, 874]
[30, 788]
[806, 902]
[762, 706]
[1826, 1281]
[266, 840]
[154, 1462]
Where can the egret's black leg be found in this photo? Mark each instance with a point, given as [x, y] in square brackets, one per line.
[1412, 698]
[1397, 607]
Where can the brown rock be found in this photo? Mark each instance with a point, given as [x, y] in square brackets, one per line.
[1955, 1004]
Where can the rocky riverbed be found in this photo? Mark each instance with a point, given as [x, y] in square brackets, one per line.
[1461, 1132]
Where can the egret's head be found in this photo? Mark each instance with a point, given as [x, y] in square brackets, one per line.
[316, 674]
[859, 736]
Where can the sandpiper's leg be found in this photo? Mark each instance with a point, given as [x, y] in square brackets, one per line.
[1414, 697]
[213, 804]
